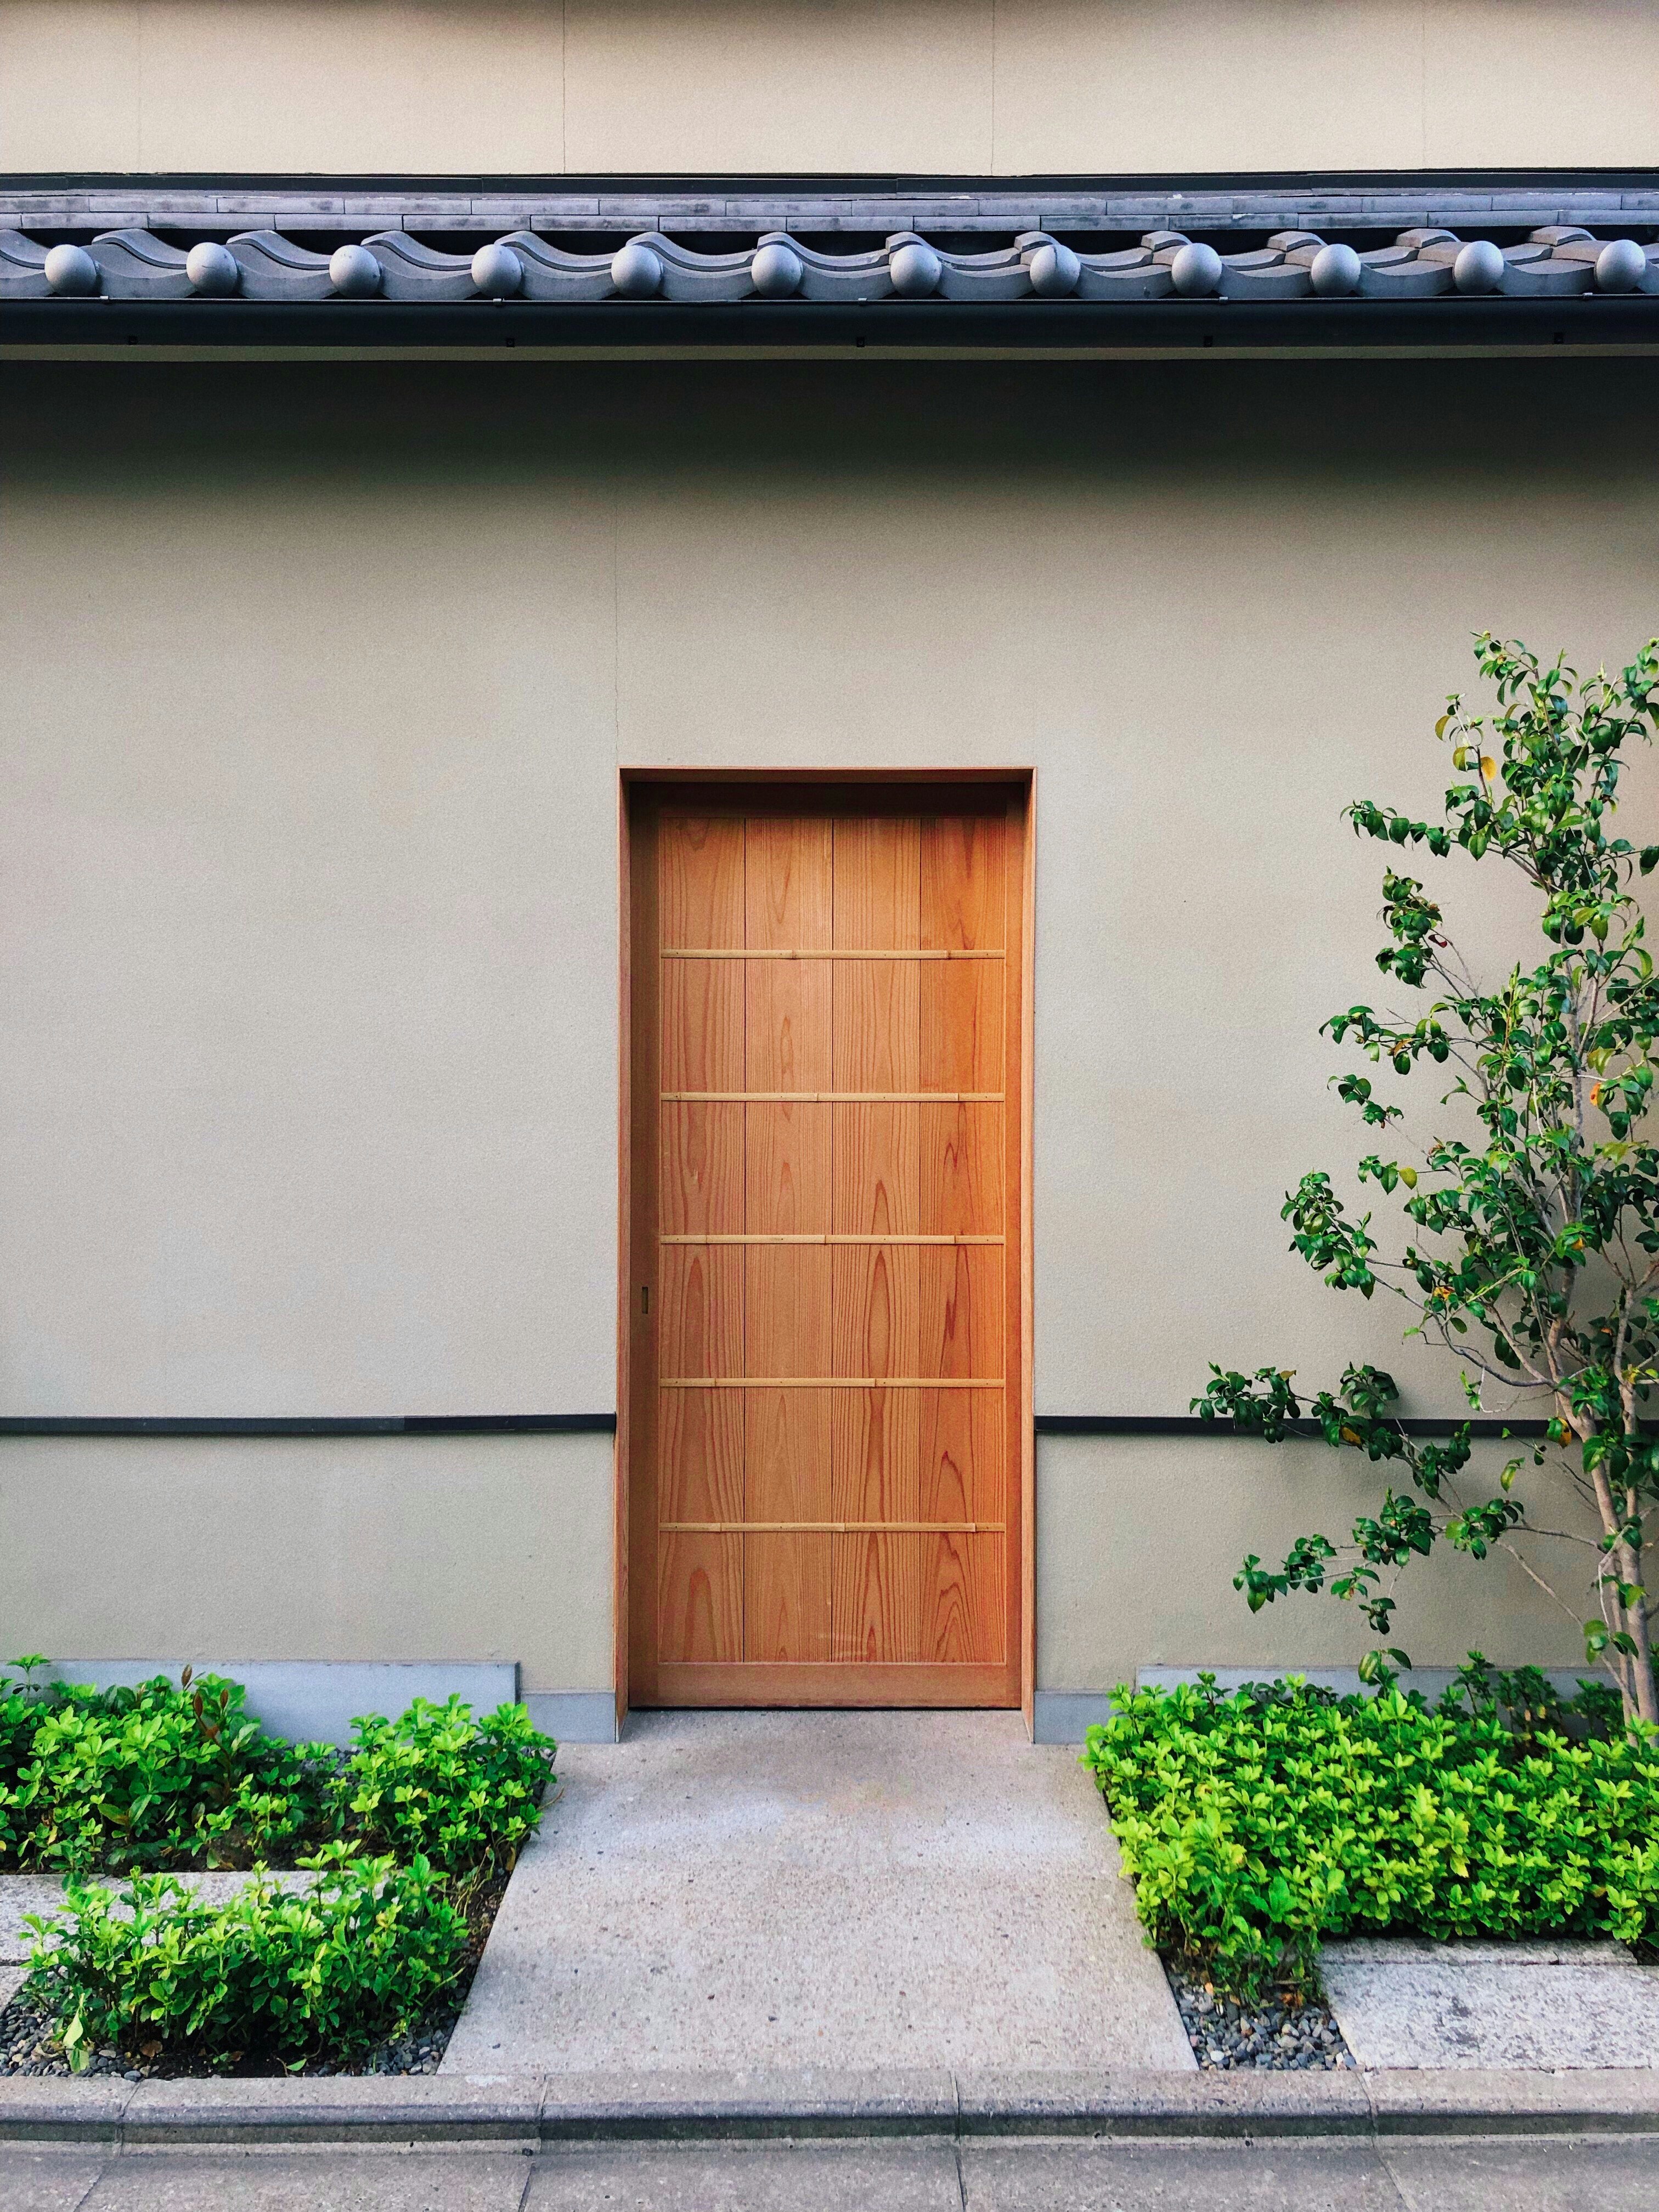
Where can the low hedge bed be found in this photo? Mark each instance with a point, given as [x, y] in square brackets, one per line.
[1253, 1824]
[410, 1833]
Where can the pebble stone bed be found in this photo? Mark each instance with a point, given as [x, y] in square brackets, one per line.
[1282, 2036]
[28, 2044]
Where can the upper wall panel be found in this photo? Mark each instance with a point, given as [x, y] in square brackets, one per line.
[743, 86]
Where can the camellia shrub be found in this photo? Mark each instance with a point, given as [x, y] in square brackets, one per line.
[1253, 1824]
[271, 1974]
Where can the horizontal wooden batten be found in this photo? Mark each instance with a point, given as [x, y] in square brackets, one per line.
[830, 1528]
[823, 1236]
[832, 1098]
[823, 953]
[829, 1383]
[938, 1683]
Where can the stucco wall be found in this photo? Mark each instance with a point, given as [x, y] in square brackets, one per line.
[319, 680]
[731, 87]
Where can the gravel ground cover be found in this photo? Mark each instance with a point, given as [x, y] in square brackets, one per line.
[1289, 2033]
[28, 2042]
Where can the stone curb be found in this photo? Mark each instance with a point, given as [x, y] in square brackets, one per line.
[523, 2111]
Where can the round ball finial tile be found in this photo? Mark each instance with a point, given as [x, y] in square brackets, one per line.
[775, 270]
[212, 271]
[637, 271]
[1618, 266]
[915, 270]
[353, 272]
[1479, 268]
[1335, 272]
[71, 272]
[1195, 271]
[497, 271]
[1055, 271]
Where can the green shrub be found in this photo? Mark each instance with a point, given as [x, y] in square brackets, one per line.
[1253, 1824]
[165, 1775]
[270, 1974]
[169, 1776]
[464, 1792]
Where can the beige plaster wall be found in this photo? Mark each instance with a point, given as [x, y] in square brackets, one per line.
[731, 87]
[1139, 1539]
[319, 680]
[383, 1548]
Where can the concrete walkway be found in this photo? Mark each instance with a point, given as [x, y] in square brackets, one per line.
[1550, 2174]
[848, 1891]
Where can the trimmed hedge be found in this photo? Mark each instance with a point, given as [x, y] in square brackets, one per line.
[270, 1974]
[174, 1776]
[1255, 1825]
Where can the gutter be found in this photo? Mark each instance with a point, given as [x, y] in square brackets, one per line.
[1495, 324]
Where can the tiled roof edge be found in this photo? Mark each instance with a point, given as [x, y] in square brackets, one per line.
[1378, 203]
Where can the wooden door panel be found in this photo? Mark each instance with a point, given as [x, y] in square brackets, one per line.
[876, 1599]
[787, 1151]
[785, 1618]
[700, 1175]
[786, 1309]
[836, 1344]
[876, 1456]
[700, 1600]
[700, 1326]
[961, 1042]
[962, 1453]
[700, 880]
[962, 1300]
[876, 1176]
[961, 1600]
[964, 894]
[959, 1170]
[699, 1481]
[877, 883]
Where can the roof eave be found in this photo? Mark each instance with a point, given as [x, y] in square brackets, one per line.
[1497, 323]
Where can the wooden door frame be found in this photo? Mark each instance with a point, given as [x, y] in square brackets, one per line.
[628, 1167]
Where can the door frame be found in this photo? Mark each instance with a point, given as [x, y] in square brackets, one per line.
[630, 1165]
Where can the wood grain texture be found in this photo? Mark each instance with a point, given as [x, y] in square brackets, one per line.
[835, 1498]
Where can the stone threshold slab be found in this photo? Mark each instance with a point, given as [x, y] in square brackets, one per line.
[1407, 2004]
[523, 2112]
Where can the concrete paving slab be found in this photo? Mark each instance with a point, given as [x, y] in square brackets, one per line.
[1041, 2176]
[46, 2180]
[845, 1891]
[1451, 2005]
[305, 2181]
[11, 1980]
[21, 1894]
[1557, 2174]
[749, 2178]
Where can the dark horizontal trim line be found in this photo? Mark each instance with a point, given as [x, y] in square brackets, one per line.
[1482, 1428]
[308, 1424]
[1035, 325]
[613, 182]
[1190, 1424]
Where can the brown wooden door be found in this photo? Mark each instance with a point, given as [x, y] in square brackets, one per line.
[826, 1337]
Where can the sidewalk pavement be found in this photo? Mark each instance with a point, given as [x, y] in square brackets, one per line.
[837, 1890]
[1551, 2175]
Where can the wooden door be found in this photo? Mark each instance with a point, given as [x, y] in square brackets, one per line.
[826, 1318]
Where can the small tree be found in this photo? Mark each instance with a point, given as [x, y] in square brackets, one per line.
[1533, 1252]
